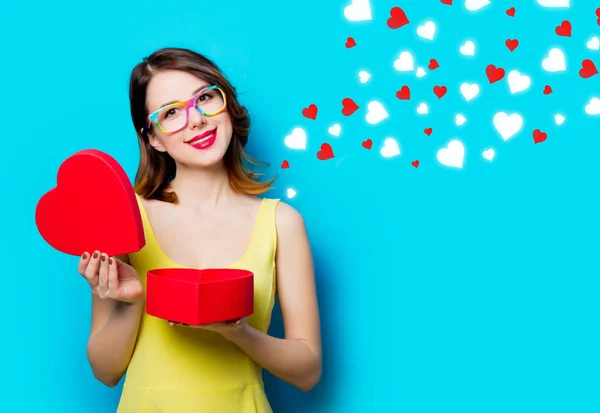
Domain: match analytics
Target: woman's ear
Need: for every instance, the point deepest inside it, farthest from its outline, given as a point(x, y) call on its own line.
point(154, 141)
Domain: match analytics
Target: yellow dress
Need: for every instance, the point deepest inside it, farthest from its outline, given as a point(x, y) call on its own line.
point(189, 370)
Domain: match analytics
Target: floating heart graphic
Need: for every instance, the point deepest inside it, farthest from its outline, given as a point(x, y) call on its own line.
point(440, 91)
point(390, 148)
point(403, 93)
point(489, 154)
point(468, 49)
point(367, 144)
point(350, 42)
point(494, 74)
point(511, 12)
point(433, 64)
point(447, 2)
point(512, 44)
point(93, 207)
point(588, 69)
point(555, 62)
point(397, 18)
point(415, 163)
point(453, 155)
point(310, 112)
point(349, 107)
point(297, 140)
point(326, 152)
point(428, 131)
point(285, 164)
point(335, 129)
point(564, 29)
point(376, 113)
point(547, 90)
point(539, 136)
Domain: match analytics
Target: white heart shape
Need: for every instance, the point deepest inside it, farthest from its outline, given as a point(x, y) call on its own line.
point(297, 140)
point(468, 49)
point(422, 109)
point(518, 82)
point(376, 112)
point(555, 62)
point(453, 155)
point(593, 43)
point(421, 72)
point(335, 130)
point(460, 119)
point(474, 5)
point(489, 154)
point(427, 31)
point(469, 91)
point(290, 193)
point(390, 148)
point(593, 108)
point(554, 3)
point(559, 119)
point(358, 10)
point(507, 125)
point(363, 76)
point(404, 63)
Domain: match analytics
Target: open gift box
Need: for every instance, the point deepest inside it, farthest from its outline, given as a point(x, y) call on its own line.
point(195, 297)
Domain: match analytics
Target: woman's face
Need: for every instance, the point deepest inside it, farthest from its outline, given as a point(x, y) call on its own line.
point(203, 141)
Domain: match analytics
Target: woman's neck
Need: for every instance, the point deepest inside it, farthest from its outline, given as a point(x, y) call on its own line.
point(203, 188)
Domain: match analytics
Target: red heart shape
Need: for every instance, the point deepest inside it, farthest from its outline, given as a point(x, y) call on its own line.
point(367, 144)
point(398, 18)
point(285, 164)
point(493, 73)
point(564, 29)
point(415, 163)
point(511, 12)
point(433, 64)
point(539, 136)
point(448, 2)
point(403, 93)
point(93, 207)
point(349, 107)
point(547, 90)
point(588, 69)
point(350, 42)
point(598, 12)
point(310, 112)
point(428, 131)
point(440, 91)
point(512, 44)
point(326, 152)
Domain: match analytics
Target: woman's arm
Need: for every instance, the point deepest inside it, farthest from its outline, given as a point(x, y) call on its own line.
point(113, 336)
point(295, 359)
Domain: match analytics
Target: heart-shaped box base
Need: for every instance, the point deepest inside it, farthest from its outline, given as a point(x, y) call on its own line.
point(196, 297)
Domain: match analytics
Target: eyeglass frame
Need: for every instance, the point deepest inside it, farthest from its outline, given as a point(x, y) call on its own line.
point(187, 104)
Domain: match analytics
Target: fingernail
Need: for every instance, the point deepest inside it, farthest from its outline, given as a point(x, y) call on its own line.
point(103, 257)
point(84, 256)
point(110, 261)
point(96, 254)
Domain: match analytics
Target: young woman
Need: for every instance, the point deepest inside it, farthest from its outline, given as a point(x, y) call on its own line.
point(200, 209)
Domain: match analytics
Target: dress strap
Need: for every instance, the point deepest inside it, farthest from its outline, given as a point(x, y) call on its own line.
point(264, 243)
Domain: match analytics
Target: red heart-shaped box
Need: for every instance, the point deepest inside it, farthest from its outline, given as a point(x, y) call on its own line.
point(196, 297)
point(93, 207)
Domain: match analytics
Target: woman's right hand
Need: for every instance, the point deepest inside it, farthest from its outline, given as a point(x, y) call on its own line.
point(110, 277)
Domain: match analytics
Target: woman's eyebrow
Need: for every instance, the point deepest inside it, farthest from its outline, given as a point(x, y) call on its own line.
point(193, 93)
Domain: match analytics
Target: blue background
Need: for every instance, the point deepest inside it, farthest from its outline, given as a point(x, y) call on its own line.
point(440, 289)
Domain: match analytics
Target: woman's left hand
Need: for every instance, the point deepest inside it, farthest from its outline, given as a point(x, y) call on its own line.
point(223, 328)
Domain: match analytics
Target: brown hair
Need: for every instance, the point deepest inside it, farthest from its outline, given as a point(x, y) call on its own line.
point(156, 169)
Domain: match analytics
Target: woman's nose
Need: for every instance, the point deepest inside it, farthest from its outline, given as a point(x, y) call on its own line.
point(195, 117)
